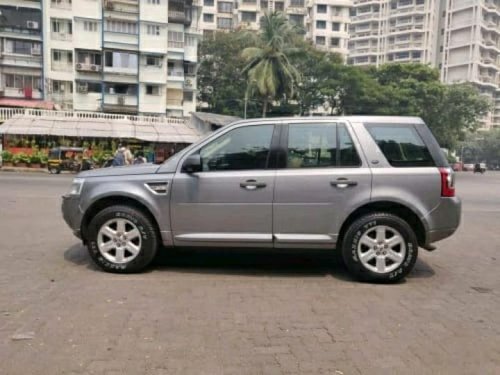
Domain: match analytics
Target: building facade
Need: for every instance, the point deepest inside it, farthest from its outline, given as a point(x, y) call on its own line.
point(471, 49)
point(385, 31)
point(123, 56)
point(325, 22)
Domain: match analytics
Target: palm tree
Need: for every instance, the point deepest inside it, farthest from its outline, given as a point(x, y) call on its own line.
point(268, 66)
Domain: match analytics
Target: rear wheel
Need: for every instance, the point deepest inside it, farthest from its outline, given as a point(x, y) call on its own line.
point(122, 239)
point(380, 247)
point(54, 170)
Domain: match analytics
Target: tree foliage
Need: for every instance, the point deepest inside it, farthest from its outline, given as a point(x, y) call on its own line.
point(275, 57)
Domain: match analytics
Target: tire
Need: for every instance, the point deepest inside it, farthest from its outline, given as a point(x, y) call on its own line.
point(368, 260)
point(104, 230)
point(54, 170)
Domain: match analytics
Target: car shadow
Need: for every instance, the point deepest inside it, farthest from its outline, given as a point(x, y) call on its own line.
point(246, 262)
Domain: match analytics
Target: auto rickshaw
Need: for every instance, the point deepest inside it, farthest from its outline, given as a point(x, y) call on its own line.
point(479, 168)
point(70, 159)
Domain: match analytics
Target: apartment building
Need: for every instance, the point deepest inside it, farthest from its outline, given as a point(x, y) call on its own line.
point(21, 61)
point(123, 56)
point(325, 22)
point(385, 31)
point(471, 49)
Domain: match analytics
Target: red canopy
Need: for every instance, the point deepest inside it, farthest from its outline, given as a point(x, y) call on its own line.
point(26, 103)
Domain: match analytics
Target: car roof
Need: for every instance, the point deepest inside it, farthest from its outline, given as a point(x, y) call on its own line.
point(352, 119)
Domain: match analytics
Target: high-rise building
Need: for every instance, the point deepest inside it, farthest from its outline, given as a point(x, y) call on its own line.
point(124, 56)
point(384, 31)
point(21, 61)
point(471, 49)
point(325, 22)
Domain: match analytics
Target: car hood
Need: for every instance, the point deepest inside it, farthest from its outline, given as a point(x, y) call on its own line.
point(121, 171)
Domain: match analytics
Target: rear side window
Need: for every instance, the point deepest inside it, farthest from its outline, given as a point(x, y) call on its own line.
point(320, 146)
point(401, 145)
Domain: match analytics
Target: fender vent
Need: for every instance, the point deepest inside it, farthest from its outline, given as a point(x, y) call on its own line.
point(157, 187)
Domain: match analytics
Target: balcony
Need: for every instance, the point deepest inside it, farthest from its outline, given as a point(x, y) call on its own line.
point(66, 37)
point(88, 68)
point(25, 61)
point(120, 103)
point(122, 6)
point(61, 66)
point(172, 103)
point(61, 4)
point(176, 75)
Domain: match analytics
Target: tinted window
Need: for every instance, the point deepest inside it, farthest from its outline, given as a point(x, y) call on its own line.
point(242, 148)
point(348, 154)
point(401, 145)
point(320, 145)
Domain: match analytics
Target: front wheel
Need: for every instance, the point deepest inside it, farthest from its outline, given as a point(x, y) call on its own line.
point(122, 239)
point(380, 247)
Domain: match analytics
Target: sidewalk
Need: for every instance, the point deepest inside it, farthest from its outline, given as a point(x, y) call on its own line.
point(24, 170)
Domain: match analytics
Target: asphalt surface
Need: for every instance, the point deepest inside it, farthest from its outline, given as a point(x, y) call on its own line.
point(235, 312)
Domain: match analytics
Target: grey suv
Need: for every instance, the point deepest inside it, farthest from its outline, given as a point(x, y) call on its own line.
point(374, 188)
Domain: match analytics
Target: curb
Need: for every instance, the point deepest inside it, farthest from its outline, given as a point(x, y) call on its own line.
point(23, 170)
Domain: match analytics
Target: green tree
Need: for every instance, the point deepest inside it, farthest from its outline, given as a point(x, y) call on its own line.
point(268, 64)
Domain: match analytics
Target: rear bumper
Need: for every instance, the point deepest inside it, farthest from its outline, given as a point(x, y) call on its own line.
point(444, 220)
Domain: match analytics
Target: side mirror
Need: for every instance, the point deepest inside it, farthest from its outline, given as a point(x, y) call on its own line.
point(192, 164)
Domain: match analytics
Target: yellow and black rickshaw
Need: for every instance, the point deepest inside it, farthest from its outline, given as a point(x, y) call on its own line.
point(71, 159)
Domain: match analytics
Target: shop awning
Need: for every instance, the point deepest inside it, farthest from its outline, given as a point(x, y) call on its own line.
point(26, 103)
point(159, 132)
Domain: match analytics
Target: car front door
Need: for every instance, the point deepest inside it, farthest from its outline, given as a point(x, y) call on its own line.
point(229, 201)
point(321, 180)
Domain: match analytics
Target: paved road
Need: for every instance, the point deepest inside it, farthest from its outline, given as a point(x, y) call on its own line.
point(242, 313)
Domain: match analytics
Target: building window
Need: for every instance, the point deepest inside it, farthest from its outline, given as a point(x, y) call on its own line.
point(224, 23)
point(279, 6)
point(320, 40)
point(188, 96)
point(190, 41)
point(248, 16)
point(120, 27)
point(153, 61)
point(208, 17)
point(297, 3)
point(175, 39)
point(224, 7)
point(208, 3)
point(56, 55)
point(19, 81)
point(60, 87)
point(120, 60)
point(21, 47)
point(263, 4)
point(62, 26)
point(153, 30)
point(155, 2)
point(335, 42)
point(121, 89)
point(152, 90)
point(321, 24)
point(335, 26)
point(416, 55)
point(296, 19)
point(90, 26)
point(321, 8)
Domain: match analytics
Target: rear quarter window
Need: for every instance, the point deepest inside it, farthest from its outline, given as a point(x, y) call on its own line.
point(401, 145)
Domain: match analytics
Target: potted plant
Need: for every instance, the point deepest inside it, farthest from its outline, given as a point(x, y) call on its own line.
point(35, 160)
point(7, 158)
point(21, 160)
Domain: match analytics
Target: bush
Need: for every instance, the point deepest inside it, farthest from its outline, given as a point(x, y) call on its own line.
point(21, 158)
point(35, 158)
point(7, 156)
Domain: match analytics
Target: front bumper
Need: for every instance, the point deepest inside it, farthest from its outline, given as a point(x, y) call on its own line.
point(72, 214)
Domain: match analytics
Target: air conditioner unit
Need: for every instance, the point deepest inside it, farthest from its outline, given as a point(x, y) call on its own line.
point(94, 68)
point(121, 100)
point(82, 88)
point(32, 24)
point(78, 66)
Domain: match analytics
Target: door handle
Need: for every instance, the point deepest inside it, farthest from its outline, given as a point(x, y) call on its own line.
point(252, 185)
point(342, 183)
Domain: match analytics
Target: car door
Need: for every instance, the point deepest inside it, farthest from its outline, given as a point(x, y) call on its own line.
point(321, 180)
point(229, 202)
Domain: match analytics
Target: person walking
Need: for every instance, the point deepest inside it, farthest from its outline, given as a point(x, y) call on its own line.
point(139, 158)
point(123, 156)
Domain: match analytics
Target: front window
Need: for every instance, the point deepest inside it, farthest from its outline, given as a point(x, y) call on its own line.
point(239, 149)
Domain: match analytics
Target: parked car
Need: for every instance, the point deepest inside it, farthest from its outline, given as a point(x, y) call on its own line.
point(469, 167)
point(374, 189)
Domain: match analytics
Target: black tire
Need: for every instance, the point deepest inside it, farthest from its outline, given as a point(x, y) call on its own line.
point(363, 225)
point(54, 170)
point(148, 234)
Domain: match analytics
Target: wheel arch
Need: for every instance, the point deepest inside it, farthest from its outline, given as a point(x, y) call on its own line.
point(403, 211)
point(113, 200)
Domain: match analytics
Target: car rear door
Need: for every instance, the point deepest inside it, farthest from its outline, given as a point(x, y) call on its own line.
point(322, 178)
point(229, 202)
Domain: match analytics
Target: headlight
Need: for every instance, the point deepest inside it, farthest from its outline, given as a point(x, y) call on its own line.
point(76, 186)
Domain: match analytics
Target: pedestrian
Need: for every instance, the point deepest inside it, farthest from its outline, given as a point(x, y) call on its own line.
point(139, 158)
point(123, 156)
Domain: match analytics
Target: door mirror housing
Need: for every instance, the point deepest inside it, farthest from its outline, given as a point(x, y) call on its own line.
point(192, 164)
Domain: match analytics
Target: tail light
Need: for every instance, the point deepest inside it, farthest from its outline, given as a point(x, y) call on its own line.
point(447, 182)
